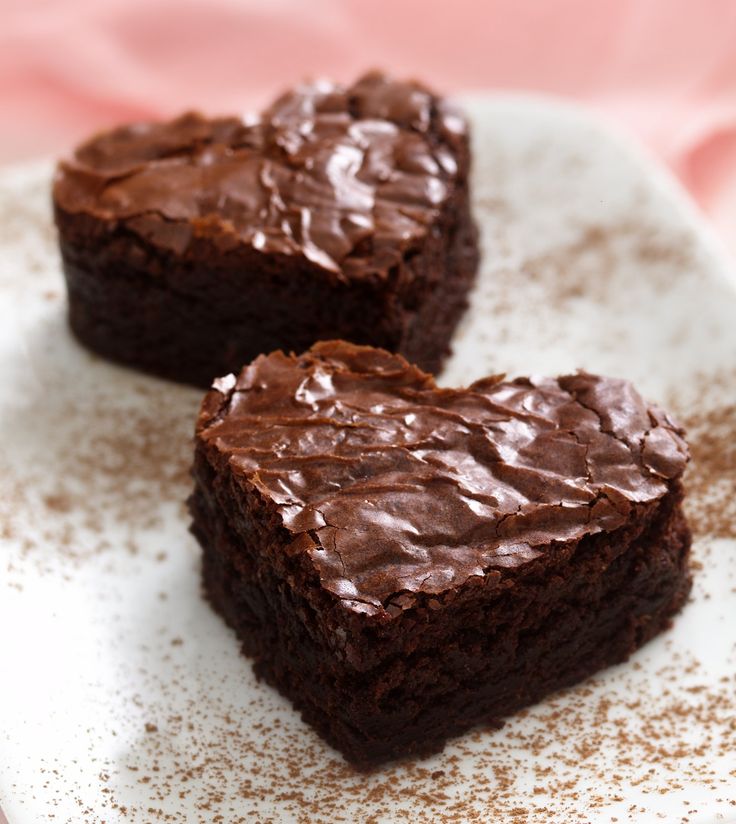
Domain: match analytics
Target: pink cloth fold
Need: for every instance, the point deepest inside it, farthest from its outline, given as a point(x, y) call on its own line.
point(665, 68)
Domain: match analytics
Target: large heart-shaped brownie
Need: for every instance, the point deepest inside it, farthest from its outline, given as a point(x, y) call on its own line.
point(405, 560)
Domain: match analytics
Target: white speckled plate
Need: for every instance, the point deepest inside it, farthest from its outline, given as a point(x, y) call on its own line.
point(123, 697)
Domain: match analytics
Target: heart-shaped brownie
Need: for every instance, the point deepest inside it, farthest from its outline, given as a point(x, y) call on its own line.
point(192, 246)
point(405, 561)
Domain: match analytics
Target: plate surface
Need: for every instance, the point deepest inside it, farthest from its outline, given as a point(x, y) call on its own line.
point(123, 697)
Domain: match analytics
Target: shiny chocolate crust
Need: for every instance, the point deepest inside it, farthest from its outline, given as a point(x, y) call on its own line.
point(394, 487)
point(348, 178)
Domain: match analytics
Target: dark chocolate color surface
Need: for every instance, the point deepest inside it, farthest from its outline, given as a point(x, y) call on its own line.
point(394, 487)
point(350, 178)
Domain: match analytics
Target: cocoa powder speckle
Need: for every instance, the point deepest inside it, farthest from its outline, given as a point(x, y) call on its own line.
point(708, 413)
point(112, 463)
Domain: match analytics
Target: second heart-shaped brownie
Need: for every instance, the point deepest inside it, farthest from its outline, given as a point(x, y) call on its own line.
point(405, 561)
point(192, 246)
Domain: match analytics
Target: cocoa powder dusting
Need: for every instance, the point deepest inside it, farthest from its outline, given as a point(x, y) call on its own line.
point(584, 749)
point(709, 417)
point(88, 469)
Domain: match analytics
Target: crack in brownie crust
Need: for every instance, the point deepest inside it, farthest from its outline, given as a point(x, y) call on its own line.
point(405, 561)
point(192, 246)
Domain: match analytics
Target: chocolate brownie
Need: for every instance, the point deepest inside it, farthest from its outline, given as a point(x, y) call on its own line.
point(190, 247)
point(404, 562)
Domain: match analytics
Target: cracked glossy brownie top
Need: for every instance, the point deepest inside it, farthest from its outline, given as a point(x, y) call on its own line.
point(350, 177)
point(394, 487)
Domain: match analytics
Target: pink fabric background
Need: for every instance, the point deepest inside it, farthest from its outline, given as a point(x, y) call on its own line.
point(665, 68)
